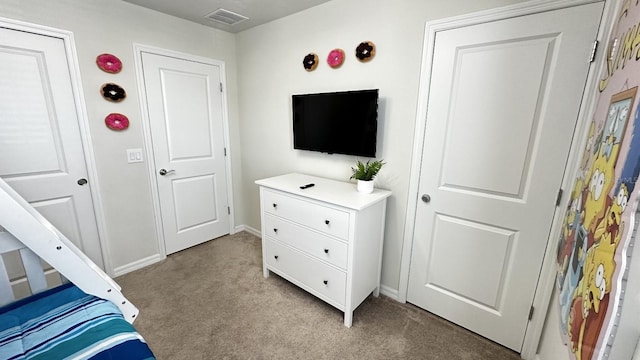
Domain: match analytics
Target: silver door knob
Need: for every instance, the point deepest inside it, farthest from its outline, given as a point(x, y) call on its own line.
point(426, 198)
point(164, 172)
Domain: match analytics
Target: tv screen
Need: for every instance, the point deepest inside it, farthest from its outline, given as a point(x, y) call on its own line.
point(338, 122)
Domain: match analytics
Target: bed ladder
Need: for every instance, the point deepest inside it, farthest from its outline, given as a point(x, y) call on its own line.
point(24, 224)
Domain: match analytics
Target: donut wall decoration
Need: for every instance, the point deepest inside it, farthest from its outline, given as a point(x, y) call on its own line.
point(365, 51)
point(310, 62)
point(113, 92)
point(335, 58)
point(116, 121)
point(109, 63)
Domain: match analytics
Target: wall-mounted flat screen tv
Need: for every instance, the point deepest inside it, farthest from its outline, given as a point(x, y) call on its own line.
point(337, 122)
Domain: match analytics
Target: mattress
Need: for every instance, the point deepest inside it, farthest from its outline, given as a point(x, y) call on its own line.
point(66, 323)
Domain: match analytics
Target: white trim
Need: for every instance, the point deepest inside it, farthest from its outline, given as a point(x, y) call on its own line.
point(248, 229)
point(138, 264)
point(138, 49)
point(543, 295)
point(83, 121)
point(389, 292)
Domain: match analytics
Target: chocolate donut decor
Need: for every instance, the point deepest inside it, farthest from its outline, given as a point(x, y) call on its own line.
point(109, 63)
point(117, 122)
point(113, 92)
point(310, 62)
point(365, 51)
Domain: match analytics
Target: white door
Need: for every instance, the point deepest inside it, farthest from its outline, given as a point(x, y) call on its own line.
point(186, 119)
point(42, 154)
point(503, 102)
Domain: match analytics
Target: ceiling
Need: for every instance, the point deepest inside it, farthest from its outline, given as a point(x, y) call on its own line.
point(257, 11)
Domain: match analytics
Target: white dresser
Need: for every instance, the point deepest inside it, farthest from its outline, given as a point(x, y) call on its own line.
point(326, 239)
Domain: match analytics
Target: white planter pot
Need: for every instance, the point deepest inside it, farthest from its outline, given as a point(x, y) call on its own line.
point(365, 187)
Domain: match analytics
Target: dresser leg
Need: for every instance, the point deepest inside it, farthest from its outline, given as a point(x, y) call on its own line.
point(265, 272)
point(348, 318)
point(376, 292)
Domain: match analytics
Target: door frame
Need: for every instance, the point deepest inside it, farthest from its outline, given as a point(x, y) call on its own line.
point(546, 279)
point(138, 49)
point(83, 121)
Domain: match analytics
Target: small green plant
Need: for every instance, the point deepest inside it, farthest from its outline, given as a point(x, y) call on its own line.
point(368, 171)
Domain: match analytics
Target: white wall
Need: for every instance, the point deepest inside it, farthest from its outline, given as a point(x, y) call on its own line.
point(112, 26)
point(270, 70)
point(260, 79)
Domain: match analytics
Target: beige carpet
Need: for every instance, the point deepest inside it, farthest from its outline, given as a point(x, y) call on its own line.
point(212, 302)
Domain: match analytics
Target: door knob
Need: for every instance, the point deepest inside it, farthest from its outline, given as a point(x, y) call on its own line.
point(82, 181)
point(426, 198)
point(164, 172)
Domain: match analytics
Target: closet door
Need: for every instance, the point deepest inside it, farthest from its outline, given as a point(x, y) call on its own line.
point(185, 107)
point(503, 103)
point(40, 141)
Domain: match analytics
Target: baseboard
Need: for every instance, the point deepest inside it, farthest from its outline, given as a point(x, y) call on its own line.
point(248, 229)
point(389, 292)
point(138, 264)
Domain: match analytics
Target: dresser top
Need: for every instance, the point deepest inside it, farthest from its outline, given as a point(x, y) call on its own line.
point(331, 191)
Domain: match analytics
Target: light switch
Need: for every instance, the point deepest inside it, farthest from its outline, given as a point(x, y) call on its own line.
point(134, 156)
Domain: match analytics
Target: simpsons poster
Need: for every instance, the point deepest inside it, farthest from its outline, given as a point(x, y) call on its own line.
point(598, 223)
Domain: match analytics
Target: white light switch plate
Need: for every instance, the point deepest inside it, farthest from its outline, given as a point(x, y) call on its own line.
point(134, 156)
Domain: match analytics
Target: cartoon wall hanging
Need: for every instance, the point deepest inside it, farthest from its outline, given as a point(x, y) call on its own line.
point(597, 228)
point(109, 63)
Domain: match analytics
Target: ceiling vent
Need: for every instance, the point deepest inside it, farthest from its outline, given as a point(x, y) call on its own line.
point(226, 17)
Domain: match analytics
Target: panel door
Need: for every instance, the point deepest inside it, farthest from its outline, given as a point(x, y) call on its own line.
point(40, 142)
point(186, 121)
point(503, 102)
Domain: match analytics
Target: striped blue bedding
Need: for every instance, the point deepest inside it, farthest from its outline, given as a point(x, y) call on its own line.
point(66, 323)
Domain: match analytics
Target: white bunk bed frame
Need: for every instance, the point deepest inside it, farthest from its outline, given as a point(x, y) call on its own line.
point(22, 228)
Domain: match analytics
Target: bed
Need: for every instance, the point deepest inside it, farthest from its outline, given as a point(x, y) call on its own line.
point(83, 316)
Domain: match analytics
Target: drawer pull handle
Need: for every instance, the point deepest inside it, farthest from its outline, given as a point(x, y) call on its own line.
point(275, 230)
point(276, 257)
point(326, 251)
point(275, 205)
point(325, 282)
point(327, 222)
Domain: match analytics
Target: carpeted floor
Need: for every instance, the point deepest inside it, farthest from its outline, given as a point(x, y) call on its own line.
point(212, 302)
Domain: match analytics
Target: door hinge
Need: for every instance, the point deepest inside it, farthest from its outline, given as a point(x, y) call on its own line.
point(220, 87)
point(559, 198)
point(531, 312)
point(229, 210)
point(594, 49)
point(225, 151)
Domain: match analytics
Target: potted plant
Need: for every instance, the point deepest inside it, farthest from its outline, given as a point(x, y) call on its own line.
point(365, 173)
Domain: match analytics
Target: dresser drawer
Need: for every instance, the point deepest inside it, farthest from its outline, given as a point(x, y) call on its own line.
point(322, 278)
point(328, 220)
point(315, 244)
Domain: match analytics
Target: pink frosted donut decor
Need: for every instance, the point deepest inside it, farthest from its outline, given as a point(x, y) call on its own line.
point(109, 63)
point(116, 121)
point(335, 58)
